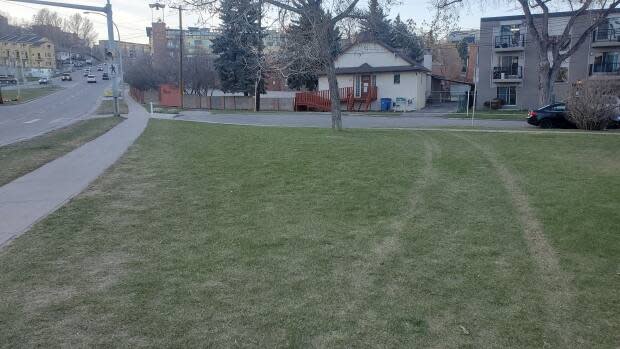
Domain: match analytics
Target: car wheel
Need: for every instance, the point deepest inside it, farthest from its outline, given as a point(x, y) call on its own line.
point(546, 123)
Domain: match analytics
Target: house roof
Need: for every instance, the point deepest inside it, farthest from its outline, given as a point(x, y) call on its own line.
point(367, 68)
point(23, 39)
point(368, 39)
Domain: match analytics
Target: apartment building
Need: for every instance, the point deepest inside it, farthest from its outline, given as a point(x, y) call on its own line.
point(29, 53)
point(129, 50)
point(508, 58)
point(196, 40)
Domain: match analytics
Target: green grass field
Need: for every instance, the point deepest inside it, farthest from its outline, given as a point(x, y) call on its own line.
point(27, 94)
point(17, 159)
point(225, 236)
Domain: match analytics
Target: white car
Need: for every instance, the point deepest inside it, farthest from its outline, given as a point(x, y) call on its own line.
point(91, 79)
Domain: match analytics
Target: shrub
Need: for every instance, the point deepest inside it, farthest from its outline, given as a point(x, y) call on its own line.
point(592, 103)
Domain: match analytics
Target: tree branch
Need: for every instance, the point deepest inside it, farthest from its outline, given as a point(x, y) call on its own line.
point(284, 6)
point(344, 14)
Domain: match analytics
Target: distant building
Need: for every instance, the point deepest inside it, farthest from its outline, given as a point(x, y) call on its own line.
point(4, 24)
point(32, 54)
point(196, 40)
point(164, 43)
point(471, 36)
point(129, 50)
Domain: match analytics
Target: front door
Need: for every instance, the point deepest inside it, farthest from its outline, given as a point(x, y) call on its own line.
point(366, 83)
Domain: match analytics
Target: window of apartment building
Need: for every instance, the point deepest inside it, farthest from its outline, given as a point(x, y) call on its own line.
point(396, 79)
point(508, 94)
point(562, 75)
point(509, 35)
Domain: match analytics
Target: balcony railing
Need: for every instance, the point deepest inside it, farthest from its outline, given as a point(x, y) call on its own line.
point(510, 41)
point(605, 69)
point(606, 35)
point(507, 73)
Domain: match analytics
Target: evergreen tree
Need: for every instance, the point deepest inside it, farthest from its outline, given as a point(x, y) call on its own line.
point(376, 24)
point(239, 46)
point(303, 61)
point(404, 39)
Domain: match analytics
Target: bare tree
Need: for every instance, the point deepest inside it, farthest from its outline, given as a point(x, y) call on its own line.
point(324, 18)
point(555, 49)
point(81, 26)
point(45, 17)
point(199, 74)
point(592, 103)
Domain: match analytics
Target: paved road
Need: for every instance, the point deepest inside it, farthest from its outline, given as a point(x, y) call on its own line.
point(422, 119)
point(61, 108)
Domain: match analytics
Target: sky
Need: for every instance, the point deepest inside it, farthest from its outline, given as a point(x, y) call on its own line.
point(133, 16)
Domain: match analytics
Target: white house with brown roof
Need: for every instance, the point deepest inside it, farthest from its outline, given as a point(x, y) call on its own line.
point(373, 70)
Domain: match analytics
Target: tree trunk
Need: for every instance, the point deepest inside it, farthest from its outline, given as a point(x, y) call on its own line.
point(333, 94)
point(544, 85)
point(256, 96)
point(547, 75)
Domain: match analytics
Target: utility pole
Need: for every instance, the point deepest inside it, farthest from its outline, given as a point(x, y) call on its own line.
point(259, 58)
point(107, 9)
point(180, 8)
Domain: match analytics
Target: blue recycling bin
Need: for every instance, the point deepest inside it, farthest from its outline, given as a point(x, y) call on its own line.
point(386, 104)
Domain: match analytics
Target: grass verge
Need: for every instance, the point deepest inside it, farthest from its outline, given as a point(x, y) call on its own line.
point(28, 94)
point(23, 157)
point(107, 107)
point(208, 235)
point(500, 114)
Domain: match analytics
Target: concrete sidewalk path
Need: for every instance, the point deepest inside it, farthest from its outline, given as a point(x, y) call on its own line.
point(32, 197)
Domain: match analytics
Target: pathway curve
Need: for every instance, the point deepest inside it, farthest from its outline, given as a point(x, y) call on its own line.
point(32, 197)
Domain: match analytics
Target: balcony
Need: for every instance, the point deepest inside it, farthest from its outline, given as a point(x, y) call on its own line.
point(509, 42)
point(605, 38)
point(610, 70)
point(508, 74)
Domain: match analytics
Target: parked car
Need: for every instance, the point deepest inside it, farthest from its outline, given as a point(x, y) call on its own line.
point(553, 115)
point(43, 81)
point(99, 68)
point(556, 115)
point(91, 79)
point(66, 77)
point(8, 80)
point(105, 76)
point(86, 73)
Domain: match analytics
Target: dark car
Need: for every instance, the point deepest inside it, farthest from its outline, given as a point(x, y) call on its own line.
point(105, 76)
point(553, 115)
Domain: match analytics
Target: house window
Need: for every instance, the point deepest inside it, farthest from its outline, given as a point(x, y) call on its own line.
point(358, 86)
point(562, 75)
point(396, 79)
point(508, 94)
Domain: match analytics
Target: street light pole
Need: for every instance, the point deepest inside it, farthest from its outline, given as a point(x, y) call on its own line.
point(107, 9)
point(180, 8)
point(118, 45)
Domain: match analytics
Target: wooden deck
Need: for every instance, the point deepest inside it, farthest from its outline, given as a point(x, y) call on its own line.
point(321, 101)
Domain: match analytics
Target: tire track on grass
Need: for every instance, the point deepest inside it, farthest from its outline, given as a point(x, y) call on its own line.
point(362, 275)
point(556, 285)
